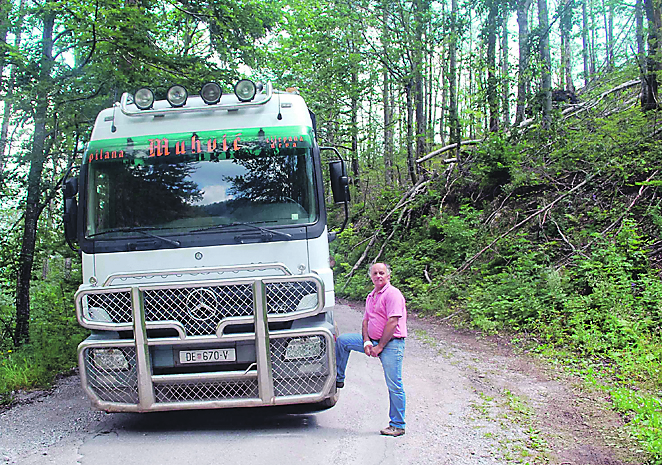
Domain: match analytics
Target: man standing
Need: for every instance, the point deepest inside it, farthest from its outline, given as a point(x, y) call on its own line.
point(383, 335)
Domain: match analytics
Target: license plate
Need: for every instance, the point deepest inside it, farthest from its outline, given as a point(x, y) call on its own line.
point(207, 356)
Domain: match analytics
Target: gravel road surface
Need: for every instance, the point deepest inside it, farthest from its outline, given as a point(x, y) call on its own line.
point(469, 401)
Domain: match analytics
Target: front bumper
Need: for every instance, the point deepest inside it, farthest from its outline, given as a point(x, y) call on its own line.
point(265, 376)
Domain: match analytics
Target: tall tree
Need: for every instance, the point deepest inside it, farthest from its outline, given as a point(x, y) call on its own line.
point(546, 64)
point(10, 82)
point(505, 78)
point(607, 11)
point(36, 160)
point(523, 73)
point(492, 91)
point(386, 96)
point(586, 44)
point(453, 116)
point(565, 25)
point(653, 11)
point(421, 19)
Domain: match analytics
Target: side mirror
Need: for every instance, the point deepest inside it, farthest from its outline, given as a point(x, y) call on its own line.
point(339, 181)
point(339, 187)
point(70, 216)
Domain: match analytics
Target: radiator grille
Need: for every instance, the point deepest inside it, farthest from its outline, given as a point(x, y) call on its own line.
point(113, 385)
point(287, 297)
point(245, 389)
point(111, 307)
point(199, 309)
point(299, 376)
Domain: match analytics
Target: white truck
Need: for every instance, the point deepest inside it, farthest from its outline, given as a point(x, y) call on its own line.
point(203, 234)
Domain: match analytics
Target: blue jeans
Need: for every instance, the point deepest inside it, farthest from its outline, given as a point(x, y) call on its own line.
point(391, 358)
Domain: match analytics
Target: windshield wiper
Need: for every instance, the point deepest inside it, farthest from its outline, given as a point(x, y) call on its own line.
point(142, 230)
point(264, 232)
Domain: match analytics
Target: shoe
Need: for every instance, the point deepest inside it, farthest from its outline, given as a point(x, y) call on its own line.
point(340, 384)
point(392, 431)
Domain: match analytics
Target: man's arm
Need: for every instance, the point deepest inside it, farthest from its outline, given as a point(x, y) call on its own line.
point(387, 335)
point(366, 338)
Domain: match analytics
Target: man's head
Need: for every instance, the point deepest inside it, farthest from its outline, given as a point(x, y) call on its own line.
point(380, 274)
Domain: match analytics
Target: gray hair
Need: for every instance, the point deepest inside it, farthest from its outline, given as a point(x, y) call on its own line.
point(388, 268)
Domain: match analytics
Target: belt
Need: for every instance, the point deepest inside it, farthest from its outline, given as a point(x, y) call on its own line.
point(373, 339)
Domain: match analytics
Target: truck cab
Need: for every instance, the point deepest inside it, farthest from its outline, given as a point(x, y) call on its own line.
point(203, 234)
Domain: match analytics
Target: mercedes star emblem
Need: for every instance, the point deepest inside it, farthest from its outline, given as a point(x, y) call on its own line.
point(201, 304)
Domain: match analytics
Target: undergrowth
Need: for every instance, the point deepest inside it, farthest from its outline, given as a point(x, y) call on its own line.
point(54, 336)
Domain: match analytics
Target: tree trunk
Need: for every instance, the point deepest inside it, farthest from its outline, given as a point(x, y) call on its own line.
point(546, 62)
point(585, 43)
point(5, 10)
point(9, 96)
point(566, 31)
point(594, 58)
point(388, 108)
point(641, 49)
point(33, 207)
point(523, 74)
point(411, 168)
point(652, 9)
point(418, 72)
point(492, 95)
point(608, 43)
point(355, 131)
point(505, 87)
point(454, 120)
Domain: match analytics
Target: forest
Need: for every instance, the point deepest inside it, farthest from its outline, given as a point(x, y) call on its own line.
point(504, 155)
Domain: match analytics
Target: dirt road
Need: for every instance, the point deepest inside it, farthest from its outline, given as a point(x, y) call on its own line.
point(469, 401)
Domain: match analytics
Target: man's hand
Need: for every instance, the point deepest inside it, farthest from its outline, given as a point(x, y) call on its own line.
point(376, 350)
point(368, 350)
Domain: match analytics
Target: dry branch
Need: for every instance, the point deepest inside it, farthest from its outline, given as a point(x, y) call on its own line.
point(446, 149)
point(405, 199)
point(525, 220)
point(642, 189)
point(573, 109)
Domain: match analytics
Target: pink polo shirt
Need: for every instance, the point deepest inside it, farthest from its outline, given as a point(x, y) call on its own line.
point(380, 306)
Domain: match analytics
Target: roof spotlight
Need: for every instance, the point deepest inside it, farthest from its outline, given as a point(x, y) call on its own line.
point(143, 98)
point(211, 93)
point(177, 96)
point(245, 90)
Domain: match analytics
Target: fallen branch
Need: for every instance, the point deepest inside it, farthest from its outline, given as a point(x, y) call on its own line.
point(360, 260)
point(446, 149)
point(395, 227)
point(405, 199)
point(641, 191)
point(525, 220)
point(568, 112)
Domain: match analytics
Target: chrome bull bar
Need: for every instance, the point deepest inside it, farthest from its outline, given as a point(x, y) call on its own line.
point(270, 380)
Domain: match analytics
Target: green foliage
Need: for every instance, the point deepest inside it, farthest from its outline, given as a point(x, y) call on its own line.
point(646, 418)
point(54, 334)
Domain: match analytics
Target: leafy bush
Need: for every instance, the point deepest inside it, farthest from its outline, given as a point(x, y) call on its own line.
point(54, 335)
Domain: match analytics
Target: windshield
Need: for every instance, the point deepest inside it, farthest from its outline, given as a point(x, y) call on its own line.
point(175, 188)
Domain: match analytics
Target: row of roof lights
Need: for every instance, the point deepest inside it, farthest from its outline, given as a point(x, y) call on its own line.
point(211, 93)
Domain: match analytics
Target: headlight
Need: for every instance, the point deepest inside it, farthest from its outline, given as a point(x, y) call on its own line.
point(144, 98)
point(109, 359)
point(177, 96)
point(303, 347)
point(211, 93)
point(245, 90)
